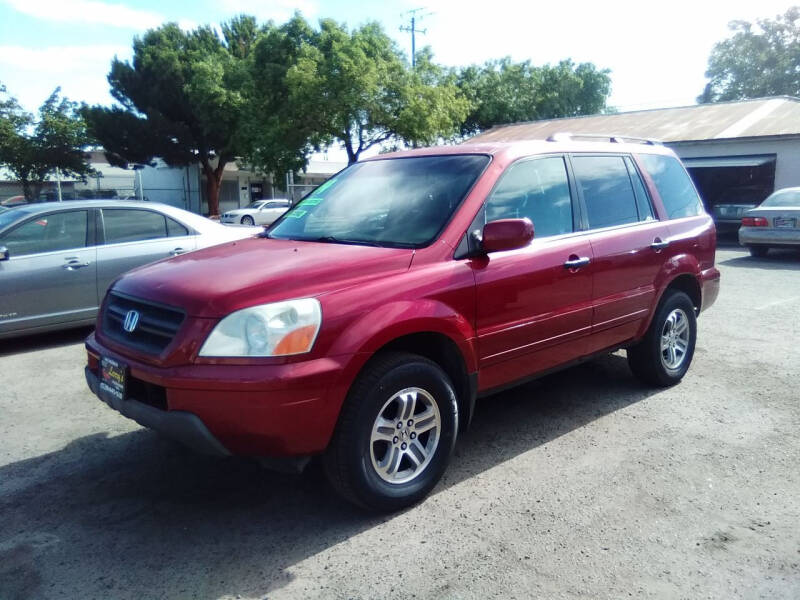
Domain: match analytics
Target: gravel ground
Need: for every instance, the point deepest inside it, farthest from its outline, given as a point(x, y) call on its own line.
point(584, 484)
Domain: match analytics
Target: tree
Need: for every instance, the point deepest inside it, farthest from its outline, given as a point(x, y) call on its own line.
point(181, 99)
point(502, 91)
point(757, 60)
point(33, 149)
point(357, 90)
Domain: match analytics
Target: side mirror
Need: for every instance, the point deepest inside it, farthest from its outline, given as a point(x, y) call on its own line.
point(507, 234)
point(3, 253)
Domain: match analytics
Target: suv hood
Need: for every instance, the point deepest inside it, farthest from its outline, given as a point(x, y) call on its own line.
point(219, 280)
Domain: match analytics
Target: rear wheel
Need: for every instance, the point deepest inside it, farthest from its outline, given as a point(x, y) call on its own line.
point(664, 355)
point(758, 251)
point(395, 435)
point(248, 220)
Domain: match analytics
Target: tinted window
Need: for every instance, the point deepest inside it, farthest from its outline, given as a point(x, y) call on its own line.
point(48, 233)
point(276, 205)
point(536, 189)
point(607, 190)
point(642, 197)
point(673, 185)
point(401, 202)
point(123, 225)
point(175, 229)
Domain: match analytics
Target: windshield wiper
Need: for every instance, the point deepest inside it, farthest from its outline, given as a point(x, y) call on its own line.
point(332, 239)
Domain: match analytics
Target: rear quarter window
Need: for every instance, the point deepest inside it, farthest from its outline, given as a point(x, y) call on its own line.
point(674, 185)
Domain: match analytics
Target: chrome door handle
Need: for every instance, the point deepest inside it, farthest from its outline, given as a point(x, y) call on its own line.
point(177, 251)
point(659, 244)
point(577, 263)
point(74, 264)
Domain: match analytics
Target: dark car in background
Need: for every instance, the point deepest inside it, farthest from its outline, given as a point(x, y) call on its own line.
point(57, 259)
point(729, 208)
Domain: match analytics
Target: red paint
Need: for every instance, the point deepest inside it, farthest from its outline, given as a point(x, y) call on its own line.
point(511, 313)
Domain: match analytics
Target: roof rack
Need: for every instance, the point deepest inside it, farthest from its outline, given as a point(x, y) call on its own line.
point(614, 139)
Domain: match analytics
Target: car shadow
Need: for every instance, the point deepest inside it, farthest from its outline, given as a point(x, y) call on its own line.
point(778, 259)
point(44, 341)
point(135, 515)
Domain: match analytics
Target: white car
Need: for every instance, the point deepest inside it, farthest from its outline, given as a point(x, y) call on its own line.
point(260, 212)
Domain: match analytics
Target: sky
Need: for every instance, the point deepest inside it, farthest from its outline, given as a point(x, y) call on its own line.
point(657, 51)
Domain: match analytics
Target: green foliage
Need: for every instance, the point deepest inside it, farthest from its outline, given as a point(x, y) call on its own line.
point(757, 60)
point(356, 89)
point(502, 91)
point(33, 149)
point(183, 99)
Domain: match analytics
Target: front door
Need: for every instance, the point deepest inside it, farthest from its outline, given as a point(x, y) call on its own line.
point(534, 304)
point(50, 276)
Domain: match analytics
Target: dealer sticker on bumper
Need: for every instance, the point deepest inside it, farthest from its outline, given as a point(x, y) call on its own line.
point(112, 379)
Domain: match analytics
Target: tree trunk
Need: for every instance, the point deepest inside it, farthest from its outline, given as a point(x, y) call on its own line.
point(212, 194)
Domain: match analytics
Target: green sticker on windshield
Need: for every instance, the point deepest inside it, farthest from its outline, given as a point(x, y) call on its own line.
point(296, 214)
point(324, 186)
point(311, 201)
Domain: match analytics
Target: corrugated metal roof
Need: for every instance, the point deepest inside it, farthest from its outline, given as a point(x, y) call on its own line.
point(727, 120)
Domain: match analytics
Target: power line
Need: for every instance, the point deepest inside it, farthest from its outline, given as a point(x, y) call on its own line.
point(416, 15)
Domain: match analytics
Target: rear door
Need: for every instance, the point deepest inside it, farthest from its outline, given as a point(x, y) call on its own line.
point(533, 307)
point(133, 237)
point(50, 276)
point(628, 243)
point(272, 210)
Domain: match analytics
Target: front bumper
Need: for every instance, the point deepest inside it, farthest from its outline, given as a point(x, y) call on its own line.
point(179, 425)
point(263, 410)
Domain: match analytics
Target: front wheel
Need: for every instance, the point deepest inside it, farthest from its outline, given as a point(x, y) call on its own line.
point(395, 435)
point(248, 220)
point(664, 355)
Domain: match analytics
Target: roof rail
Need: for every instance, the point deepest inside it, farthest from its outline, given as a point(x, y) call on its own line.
point(614, 139)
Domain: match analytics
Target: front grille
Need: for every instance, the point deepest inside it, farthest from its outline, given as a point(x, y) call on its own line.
point(147, 393)
point(156, 327)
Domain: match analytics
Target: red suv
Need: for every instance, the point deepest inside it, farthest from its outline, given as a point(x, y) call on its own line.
point(362, 325)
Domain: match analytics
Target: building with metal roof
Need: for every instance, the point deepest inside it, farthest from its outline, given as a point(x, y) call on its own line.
point(737, 152)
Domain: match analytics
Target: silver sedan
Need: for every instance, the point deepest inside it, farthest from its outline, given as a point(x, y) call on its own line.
point(57, 259)
point(773, 223)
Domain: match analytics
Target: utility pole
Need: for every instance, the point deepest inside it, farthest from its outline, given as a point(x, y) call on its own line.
point(412, 29)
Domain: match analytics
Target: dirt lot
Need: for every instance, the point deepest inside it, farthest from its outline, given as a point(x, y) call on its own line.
point(584, 484)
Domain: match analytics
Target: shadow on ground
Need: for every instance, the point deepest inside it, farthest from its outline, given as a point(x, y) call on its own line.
point(44, 341)
point(778, 259)
point(138, 516)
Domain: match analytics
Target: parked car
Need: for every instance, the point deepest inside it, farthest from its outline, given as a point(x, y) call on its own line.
point(734, 202)
point(260, 212)
point(14, 201)
point(774, 223)
point(58, 259)
point(362, 326)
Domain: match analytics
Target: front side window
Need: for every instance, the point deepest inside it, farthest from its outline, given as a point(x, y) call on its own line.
point(396, 202)
point(536, 189)
point(607, 191)
point(132, 225)
point(48, 233)
point(673, 185)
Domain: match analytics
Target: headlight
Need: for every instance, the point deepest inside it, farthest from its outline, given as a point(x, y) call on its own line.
point(277, 329)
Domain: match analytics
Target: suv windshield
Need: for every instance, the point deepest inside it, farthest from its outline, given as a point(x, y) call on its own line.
point(398, 202)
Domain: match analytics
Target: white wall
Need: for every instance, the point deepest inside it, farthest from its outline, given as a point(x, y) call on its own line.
point(787, 166)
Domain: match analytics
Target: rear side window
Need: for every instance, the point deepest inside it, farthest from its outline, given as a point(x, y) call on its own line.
point(537, 189)
point(175, 229)
point(48, 233)
point(123, 225)
point(673, 185)
point(642, 198)
point(607, 191)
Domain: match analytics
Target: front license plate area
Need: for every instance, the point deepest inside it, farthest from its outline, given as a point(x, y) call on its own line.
point(784, 223)
point(113, 376)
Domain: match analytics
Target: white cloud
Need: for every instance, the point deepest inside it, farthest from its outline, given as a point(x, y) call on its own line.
point(31, 74)
point(277, 10)
point(88, 11)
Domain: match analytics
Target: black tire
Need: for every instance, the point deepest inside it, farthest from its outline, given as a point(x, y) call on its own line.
point(349, 462)
point(248, 220)
point(758, 251)
point(647, 360)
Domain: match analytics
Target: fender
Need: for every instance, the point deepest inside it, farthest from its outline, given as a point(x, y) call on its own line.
point(376, 328)
point(677, 265)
